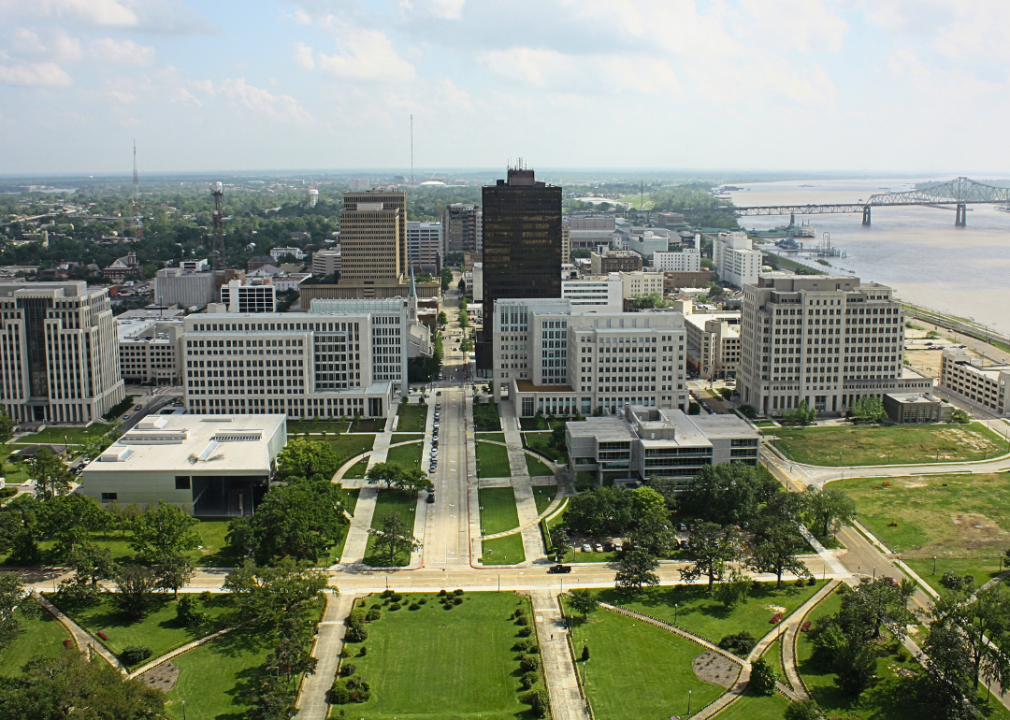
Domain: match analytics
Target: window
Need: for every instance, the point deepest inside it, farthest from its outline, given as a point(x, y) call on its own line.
point(109, 497)
point(182, 482)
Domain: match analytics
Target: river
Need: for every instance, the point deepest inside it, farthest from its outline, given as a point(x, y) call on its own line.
point(916, 250)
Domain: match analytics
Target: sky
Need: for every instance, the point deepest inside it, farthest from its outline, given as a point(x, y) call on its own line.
point(834, 85)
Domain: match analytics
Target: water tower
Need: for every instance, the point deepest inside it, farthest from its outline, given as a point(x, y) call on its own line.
point(313, 197)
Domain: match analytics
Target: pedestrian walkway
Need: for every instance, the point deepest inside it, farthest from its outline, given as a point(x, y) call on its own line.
point(150, 665)
point(312, 700)
point(567, 702)
point(792, 625)
point(357, 532)
point(81, 636)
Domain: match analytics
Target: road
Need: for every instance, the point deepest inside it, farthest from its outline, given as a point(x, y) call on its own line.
point(447, 530)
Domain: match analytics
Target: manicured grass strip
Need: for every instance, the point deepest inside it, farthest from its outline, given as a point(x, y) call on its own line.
point(160, 631)
point(756, 707)
point(389, 501)
point(406, 456)
point(214, 679)
point(405, 437)
point(773, 655)
point(412, 417)
point(62, 435)
point(15, 473)
point(698, 612)
point(626, 654)
point(297, 427)
point(956, 517)
point(368, 425)
point(506, 550)
point(347, 446)
point(434, 663)
point(358, 469)
point(498, 511)
point(541, 442)
point(541, 423)
point(494, 436)
point(544, 495)
point(42, 637)
point(536, 468)
point(492, 460)
point(882, 445)
point(485, 417)
point(982, 570)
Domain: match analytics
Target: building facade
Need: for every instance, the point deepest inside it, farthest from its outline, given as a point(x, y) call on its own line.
point(713, 344)
point(186, 288)
point(278, 252)
point(522, 247)
point(968, 379)
point(325, 262)
point(249, 296)
point(59, 352)
point(828, 340)
point(596, 293)
point(150, 350)
point(668, 443)
point(735, 258)
point(424, 245)
point(638, 283)
point(686, 260)
point(462, 229)
point(605, 260)
point(549, 358)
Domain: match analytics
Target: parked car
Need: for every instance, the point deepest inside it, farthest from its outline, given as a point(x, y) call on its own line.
point(431, 498)
point(684, 545)
point(559, 569)
point(598, 548)
point(587, 548)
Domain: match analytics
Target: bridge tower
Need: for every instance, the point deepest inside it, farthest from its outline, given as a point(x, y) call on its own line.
point(866, 216)
point(961, 215)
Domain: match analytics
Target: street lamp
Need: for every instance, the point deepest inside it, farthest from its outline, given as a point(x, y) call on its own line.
point(689, 703)
point(934, 564)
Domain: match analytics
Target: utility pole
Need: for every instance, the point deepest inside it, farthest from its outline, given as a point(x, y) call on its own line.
point(217, 252)
point(412, 149)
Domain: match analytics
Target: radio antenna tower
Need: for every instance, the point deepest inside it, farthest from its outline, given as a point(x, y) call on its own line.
point(217, 250)
point(138, 230)
point(411, 149)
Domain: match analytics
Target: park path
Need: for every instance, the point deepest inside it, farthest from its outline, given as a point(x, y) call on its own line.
point(357, 531)
point(312, 699)
point(151, 664)
point(567, 702)
point(81, 636)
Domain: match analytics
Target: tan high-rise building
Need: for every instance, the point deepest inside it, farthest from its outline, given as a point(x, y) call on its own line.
point(373, 237)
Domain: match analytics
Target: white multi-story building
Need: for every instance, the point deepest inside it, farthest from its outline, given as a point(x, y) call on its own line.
point(424, 244)
point(713, 343)
point(825, 339)
point(638, 283)
point(735, 259)
point(603, 292)
point(278, 252)
point(550, 359)
point(249, 296)
point(59, 354)
point(150, 349)
point(646, 242)
point(325, 262)
point(190, 285)
point(686, 260)
point(984, 387)
point(478, 282)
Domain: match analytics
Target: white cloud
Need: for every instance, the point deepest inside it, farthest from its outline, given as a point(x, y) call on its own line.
point(58, 47)
point(444, 9)
point(802, 25)
point(262, 102)
point(36, 74)
point(366, 55)
point(91, 12)
point(303, 56)
point(120, 52)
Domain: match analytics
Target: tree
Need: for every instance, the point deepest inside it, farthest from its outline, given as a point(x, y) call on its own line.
point(461, 285)
point(828, 509)
point(653, 531)
point(762, 677)
point(776, 554)
point(979, 619)
point(601, 511)
point(51, 476)
point(300, 520)
point(163, 529)
point(394, 535)
point(803, 710)
point(868, 409)
point(733, 589)
point(446, 279)
point(92, 563)
point(304, 458)
point(6, 426)
point(134, 586)
point(172, 571)
point(69, 520)
point(647, 300)
point(713, 546)
point(443, 319)
point(265, 595)
point(948, 683)
point(12, 594)
point(635, 570)
point(728, 494)
point(560, 544)
point(802, 415)
point(414, 481)
point(387, 472)
point(67, 685)
point(583, 602)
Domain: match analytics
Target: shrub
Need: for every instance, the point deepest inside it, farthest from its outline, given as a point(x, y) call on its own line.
point(134, 654)
point(442, 593)
point(414, 606)
point(394, 607)
point(538, 701)
point(422, 601)
point(345, 652)
point(525, 632)
point(356, 634)
point(762, 677)
point(188, 613)
point(811, 580)
point(396, 597)
point(522, 621)
point(903, 655)
point(373, 615)
point(457, 592)
point(518, 613)
point(67, 643)
point(339, 695)
point(800, 582)
point(740, 644)
point(585, 653)
point(376, 606)
point(529, 662)
point(776, 618)
point(523, 645)
point(805, 627)
point(387, 593)
point(363, 651)
point(206, 597)
point(953, 581)
point(457, 601)
point(803, 710)
point(348, 669)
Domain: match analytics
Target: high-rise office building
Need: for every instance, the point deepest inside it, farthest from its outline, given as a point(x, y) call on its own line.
point(522, 247)
point(424, 245)
point(59, 355)
point(462, 228)
point(373, 237)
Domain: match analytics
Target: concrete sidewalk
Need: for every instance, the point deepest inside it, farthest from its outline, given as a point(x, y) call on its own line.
point(567, 702)
point(312, 700)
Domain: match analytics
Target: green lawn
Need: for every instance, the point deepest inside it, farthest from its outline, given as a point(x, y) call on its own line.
point(432, 663)
point(389, 501)
point(412, 417)
point(955, 517)
point(636, 670)
point(297, 427)
point(368, 425)
point(542, 423)
point(406, 437)
point(544, 495)
point(773, 655)
point(896, 444)
point(160, 631)
point(485, 417)
point(492, 460)
point(37, 638)
point(493, 436)
point(347, 446)
point(60, 435)
point(498, 511)
point(541, 443)
point(406, 456)
point(358, 469)
point(14, 473)
point(506, 550)
point(536, 468)
point(215, 678)
point(697, 612)
point(756, 707)
point(981, 569)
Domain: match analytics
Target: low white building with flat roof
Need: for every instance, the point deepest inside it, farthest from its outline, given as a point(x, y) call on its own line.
point(214, 466)
point(971, 380)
